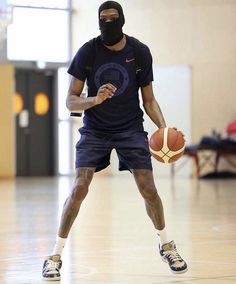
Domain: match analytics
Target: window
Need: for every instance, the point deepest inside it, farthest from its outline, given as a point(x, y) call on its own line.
point(62, 4)
point(39, 34)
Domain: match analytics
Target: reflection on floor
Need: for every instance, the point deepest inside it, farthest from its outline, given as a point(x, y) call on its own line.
point(113, 241)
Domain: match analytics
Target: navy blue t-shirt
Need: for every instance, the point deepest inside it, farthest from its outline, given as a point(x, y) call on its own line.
point(122, 112)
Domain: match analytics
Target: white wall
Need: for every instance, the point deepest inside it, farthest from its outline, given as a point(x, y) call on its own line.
point(172, 89)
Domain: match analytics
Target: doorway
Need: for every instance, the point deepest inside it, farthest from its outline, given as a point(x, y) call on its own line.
point(35, 122)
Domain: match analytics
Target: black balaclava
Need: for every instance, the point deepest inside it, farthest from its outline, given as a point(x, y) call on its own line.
point(111, 32)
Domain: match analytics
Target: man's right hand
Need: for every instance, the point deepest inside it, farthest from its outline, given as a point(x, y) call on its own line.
point(105, 92)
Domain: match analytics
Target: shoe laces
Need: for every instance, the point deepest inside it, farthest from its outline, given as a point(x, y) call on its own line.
point(173, 255)
point(53, 265)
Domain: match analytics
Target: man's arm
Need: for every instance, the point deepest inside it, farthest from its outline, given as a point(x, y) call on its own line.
point(152, 107)
point(75, 102)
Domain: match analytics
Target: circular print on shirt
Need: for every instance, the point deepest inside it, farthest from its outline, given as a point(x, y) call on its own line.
point(112, 73)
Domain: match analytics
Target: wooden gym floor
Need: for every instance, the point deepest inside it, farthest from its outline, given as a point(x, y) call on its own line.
point(113, 241)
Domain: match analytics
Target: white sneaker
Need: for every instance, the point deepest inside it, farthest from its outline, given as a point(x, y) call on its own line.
point(51, 268)
point(170, 255)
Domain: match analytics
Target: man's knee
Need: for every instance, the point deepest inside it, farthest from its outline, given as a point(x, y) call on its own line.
point(79, 192)
point(149, 193)
point(145, 183)
point(81, 185)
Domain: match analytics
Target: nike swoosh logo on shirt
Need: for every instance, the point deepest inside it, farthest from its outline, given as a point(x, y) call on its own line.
point(129, 60)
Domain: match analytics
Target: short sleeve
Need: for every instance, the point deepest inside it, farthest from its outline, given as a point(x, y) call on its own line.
point(77, 67)
point(146, 74)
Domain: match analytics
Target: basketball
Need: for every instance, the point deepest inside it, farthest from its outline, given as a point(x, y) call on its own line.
point(167, 145)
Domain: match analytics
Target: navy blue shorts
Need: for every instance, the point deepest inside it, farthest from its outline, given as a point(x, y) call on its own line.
point(94, 150)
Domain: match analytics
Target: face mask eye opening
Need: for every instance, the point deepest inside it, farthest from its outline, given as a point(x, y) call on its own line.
point(103, 20)
point(108, 19)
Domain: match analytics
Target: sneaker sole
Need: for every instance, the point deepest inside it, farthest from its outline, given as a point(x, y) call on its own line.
point(173, 271)
point(51, 279)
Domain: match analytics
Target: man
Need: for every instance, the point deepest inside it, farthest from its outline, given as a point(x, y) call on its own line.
point(113, 120)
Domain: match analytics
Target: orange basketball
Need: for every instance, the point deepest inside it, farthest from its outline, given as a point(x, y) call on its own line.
point(167, 145)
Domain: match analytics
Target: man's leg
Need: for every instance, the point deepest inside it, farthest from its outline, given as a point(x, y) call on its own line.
point(83, 178)
point(73, 202)
point(145, 182)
